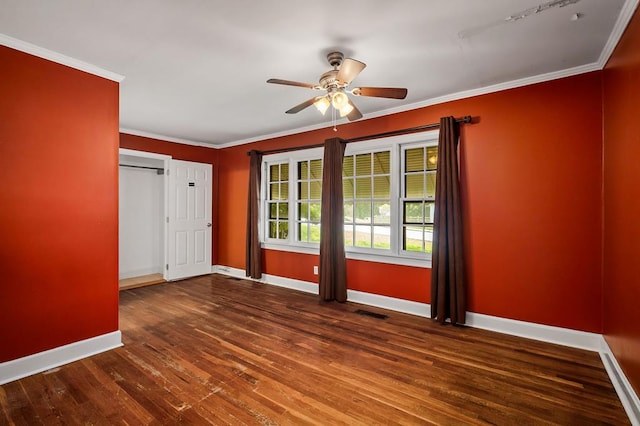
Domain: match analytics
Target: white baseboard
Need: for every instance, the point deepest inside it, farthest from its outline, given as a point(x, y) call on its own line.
point(531, 330)
point(625, 391)
point(546, 333)
point(42, 361)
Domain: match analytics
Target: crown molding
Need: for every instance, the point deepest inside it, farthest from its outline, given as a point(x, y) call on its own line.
point(628, 9)
point(164, 138)
point(59, 58)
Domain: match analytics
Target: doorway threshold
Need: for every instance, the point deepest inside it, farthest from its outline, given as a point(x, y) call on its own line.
point(141, 281)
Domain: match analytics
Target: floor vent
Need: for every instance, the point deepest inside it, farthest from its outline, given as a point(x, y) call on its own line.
point(234, 278)
point(371, 314)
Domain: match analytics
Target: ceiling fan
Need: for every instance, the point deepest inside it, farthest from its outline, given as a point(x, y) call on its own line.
point(335, 84)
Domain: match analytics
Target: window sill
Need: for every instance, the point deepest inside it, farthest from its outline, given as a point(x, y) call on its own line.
point(368, 257)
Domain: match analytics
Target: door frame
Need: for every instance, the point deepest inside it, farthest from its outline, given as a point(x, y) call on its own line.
point(165, 181)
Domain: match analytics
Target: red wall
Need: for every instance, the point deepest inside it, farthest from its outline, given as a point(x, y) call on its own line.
point(531, 185)
point(59, 215)
point(184, 152)
point(622, 202)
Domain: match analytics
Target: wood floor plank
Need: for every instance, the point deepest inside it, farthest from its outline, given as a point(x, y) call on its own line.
point(218, 350)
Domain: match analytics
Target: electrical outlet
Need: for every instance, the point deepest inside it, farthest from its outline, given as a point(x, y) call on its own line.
point(315, 270)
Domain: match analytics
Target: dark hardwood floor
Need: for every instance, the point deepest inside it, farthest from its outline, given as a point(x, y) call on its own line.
point(219, 350)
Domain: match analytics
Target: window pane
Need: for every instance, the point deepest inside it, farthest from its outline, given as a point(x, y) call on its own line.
point(431, 185)
point(347, 187)
point(284, 190)
point(432, 158)
point(414, 160)
point(315, 169)
point(303, 211)
point(274, 191)
point(363, 187)
point(413, 212)
point(314, 233)
point(273, 210)
point(273, 229)
point(348, 212)
point(382, 237)
point(303, 231)
point(428, 239)
point(348, 235)
point(303, 170)
point(413, 237)
point(381, 162)
point(303, 190)
point(347, 166)
point(381, 213)
point(284, 172)
point(283, 210)
point(429, 211)
point(381, 187)
point(314, 212)
point(363, 164)
point(414, 186)
point(316, 190)
point(363, 236)
point(363, 212)
point(274, 172)
point(283, 230)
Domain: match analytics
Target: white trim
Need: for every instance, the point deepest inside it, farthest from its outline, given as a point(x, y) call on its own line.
point(390, 303)
point(628, 9)
point(42, 361)
point(58, 58)
point(164, 138)
point(530, 330)
point(627, 395)
point(135, 153)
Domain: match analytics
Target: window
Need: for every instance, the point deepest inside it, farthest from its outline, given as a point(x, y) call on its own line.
point(309, 185)
point(367, 200)
point(389, 199)
point(278, 201)
point(418, 197)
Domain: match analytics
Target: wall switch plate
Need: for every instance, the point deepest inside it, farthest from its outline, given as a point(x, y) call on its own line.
point(315, 270)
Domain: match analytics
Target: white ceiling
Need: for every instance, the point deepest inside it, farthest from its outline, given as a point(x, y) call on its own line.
point(196, 70)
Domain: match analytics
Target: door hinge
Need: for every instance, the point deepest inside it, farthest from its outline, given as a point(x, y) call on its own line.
point(167, 171)
point(167, 219)
point(167, 266)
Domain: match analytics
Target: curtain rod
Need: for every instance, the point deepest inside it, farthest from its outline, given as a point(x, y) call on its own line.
point(462, 120)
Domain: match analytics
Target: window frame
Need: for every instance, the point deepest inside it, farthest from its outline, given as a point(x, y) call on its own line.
point(396, 145)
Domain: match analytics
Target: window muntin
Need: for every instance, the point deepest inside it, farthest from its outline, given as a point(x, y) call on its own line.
point(366, 180)
point(418, 197)
point(278, 201)
point(309, 192)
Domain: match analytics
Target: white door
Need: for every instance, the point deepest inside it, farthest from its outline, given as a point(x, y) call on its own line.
point(189, 221)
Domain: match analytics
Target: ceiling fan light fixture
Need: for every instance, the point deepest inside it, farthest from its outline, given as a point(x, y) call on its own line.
point(322, 105)
point(339, 100)
point(346, 109)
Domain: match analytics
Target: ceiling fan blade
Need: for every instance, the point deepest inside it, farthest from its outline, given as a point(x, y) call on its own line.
point(381, 92)
point(355, 114)
point(349, 70)
point(291, 83)
point(301, 106)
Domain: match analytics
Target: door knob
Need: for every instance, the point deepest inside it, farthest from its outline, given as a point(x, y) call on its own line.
point(208, 225)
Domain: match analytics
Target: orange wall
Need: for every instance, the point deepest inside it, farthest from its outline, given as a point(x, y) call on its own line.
point(184, 152)
point(59, 215)
point(531, 185)
point(622, 202)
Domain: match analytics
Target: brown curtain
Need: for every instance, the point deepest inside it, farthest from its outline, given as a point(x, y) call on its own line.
point(448, 287)
point(253, 262)
point(333, 265)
